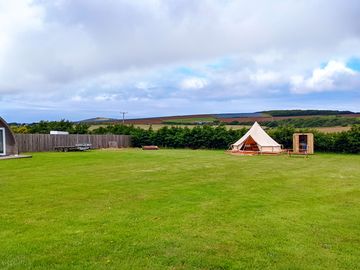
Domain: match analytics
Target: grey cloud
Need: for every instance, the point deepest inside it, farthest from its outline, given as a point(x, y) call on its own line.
point(93, 48)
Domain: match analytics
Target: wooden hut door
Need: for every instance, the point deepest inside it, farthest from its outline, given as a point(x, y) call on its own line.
point(2, 142)
point(303, 143)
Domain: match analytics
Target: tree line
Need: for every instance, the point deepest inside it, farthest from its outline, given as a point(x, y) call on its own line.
point(219, 137)
point(44, 127)
point(305, 112)
point(204, 136)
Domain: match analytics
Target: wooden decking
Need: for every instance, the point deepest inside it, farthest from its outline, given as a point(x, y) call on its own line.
point(297, 154)
point(251, 153)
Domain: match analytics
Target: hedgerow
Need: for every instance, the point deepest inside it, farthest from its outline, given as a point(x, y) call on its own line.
point(204, 136)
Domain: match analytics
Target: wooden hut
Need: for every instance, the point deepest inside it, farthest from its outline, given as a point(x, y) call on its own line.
point(303, 143)
point(8, 146)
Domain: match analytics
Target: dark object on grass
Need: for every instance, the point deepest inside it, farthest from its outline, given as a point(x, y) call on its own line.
point(150, 147)
point(77, 147)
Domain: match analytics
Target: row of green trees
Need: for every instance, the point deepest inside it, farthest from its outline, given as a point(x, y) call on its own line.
point(340, 142)
point(203, 137)
point(219, 137)
point(44, 127)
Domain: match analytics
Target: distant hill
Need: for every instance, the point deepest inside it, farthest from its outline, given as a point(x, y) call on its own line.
point(272, 118)
point(98, 120)
point(237, 115)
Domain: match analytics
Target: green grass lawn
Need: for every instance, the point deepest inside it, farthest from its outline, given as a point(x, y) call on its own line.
point(179, 209)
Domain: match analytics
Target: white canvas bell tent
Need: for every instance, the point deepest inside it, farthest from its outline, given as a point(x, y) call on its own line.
point(256, 139)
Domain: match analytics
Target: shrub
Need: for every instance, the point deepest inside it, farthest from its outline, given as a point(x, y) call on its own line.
point(205, 136)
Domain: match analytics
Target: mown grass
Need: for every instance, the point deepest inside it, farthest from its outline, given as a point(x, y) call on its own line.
point(179, 209)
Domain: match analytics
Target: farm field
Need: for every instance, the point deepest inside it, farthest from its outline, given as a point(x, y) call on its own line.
point(333, 129)
point(192, 120)
point(179, 209)
point(158, 126)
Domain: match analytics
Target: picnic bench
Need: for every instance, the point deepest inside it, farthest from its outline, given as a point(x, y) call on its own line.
point(72, 148)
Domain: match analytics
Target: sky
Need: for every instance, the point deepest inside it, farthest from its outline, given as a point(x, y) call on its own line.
point(78, 59)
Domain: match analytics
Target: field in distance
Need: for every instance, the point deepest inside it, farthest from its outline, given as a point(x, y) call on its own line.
point(158, 126)
point(333, 129)
point(327, 121)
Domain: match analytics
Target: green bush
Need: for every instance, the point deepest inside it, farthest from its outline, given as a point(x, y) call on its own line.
point(205, 136)
point(44, 127)
point(218, 137)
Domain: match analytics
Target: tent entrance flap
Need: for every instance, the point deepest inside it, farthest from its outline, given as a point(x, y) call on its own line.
point(250, 145)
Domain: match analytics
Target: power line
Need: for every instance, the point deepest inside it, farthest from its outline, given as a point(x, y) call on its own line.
point(123, 118)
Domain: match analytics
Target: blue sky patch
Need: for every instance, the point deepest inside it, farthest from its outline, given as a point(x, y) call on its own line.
point(354, 64)
point(221, 63)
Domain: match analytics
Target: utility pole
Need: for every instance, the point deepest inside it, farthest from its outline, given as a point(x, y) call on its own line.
point(123, 118)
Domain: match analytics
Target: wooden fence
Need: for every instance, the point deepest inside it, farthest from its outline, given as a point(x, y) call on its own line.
point(47, 142)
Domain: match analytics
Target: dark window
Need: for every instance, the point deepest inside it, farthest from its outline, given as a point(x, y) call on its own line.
point(2, 140)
